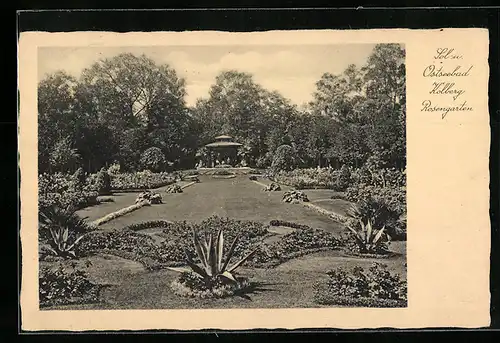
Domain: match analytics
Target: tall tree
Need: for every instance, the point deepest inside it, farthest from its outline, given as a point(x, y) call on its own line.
point(56, 115)
point(138, 100)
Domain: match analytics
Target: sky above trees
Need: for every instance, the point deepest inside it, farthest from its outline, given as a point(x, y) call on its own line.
point(290, 70)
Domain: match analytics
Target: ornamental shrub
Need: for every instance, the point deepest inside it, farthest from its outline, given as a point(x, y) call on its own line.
point(153, 159)
point(285, 159)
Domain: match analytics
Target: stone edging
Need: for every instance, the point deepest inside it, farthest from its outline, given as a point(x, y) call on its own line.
point(119, 213)
point(126, 210)
point(335, 216)
point(188, 184)
point(259, 183)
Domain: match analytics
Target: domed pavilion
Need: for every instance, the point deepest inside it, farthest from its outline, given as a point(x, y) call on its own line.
point(223, 151)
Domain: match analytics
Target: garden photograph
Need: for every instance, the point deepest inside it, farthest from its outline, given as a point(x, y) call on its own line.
point(217, 177)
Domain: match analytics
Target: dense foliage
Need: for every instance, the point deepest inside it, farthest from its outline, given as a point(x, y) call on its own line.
point(141, 180)
point(375, 287)
point(153, 159)
point(130, 243)
point(121, 107)
point(62, 229)
point(117, 109)
point(65, 190)
point(58, 286)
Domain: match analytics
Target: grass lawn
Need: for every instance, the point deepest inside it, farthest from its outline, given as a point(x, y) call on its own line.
point(286, 286)
point(130, 286)
point(237, 198)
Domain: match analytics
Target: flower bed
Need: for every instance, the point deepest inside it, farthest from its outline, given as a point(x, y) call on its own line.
point(61, 287)
point(129, 243)
point(191, 286)
point(64, 190)
point(375, 287)
point(294, 244)
point(315, 178)
point(141, 180)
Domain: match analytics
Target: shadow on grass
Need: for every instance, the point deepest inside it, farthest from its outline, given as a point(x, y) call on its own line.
point(255, 287)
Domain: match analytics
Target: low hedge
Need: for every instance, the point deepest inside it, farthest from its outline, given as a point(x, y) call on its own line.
point(277, 222)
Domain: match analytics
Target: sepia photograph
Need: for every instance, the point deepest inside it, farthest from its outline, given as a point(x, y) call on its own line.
point(231, 176)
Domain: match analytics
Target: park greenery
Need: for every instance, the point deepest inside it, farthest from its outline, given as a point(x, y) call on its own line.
point(131, 111)
point(124, 126)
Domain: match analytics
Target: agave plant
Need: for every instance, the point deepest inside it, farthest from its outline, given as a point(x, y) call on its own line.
point(58, 222)
point(210, 252)
point(368, 239)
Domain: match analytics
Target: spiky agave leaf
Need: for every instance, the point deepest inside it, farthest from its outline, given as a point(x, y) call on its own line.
point(230, 252)
point(220, 250)
point(65, 234)
point(368, 231)
point(357, 236)
point(182, 270)
point(212, 257)
point(195, 268)
point(200, 249)
point(75, 242)
point(378, 236)
point(243, 260)
point(229, 276)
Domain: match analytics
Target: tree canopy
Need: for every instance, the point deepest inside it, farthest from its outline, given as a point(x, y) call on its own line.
point(122, 106)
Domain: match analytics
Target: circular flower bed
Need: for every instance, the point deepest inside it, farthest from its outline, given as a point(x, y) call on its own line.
point(192, 286)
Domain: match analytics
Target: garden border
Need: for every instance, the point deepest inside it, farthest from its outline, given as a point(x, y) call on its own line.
point(259, 183)
point(121, 212)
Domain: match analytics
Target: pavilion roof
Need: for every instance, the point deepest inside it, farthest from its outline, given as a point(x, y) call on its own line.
point(223, 137)
point(222, 144)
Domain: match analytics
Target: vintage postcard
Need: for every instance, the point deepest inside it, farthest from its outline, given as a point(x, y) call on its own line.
point(260, 180)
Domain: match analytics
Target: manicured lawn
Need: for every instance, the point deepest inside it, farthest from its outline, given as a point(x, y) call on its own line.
point(286, 286)
point(237, 198)
point(130, 286)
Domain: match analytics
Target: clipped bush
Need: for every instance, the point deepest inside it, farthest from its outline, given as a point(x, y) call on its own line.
point(295, 197)
point(175, 188)
point(62, 287)
point(252, 178)
point(376, 287)
point(101, 199)
point(221, 172)
point(272, 187)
